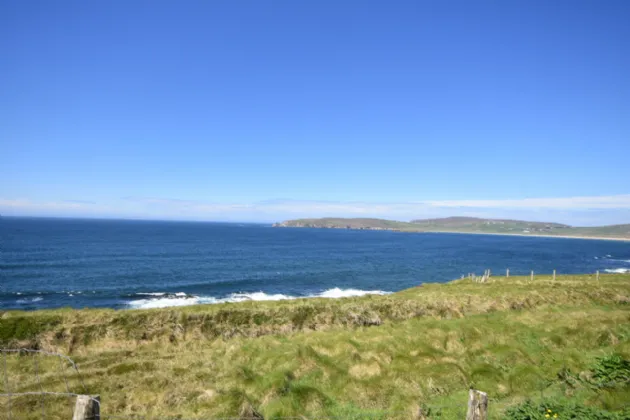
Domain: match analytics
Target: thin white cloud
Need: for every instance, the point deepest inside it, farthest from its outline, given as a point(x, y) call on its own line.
point(616, 208)
point(79, 201)
point(594, 202)
point(24, 204)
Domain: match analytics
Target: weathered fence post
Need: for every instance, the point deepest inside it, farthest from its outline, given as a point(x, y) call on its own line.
point(507, 273)
point(554, 275)
point(597, 275)
point(87, 407)
point(477, 405)
point(531, 276)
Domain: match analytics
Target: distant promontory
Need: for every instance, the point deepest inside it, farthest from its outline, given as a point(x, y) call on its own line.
point(465, 225)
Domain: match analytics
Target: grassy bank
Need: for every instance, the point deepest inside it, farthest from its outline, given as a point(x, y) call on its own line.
point(421, 347)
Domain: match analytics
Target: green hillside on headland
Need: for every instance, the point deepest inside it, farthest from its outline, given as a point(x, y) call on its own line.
point(564, 344)
point(466, 225)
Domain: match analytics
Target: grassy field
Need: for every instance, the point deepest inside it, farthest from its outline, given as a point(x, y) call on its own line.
point(555, 342)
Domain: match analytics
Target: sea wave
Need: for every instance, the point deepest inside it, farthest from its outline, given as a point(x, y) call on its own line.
point(164, 300)
point(617, 270)
point(339, 293)
point(26, 301)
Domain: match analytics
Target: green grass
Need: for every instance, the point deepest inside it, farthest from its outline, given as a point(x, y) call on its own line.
point(382, 356)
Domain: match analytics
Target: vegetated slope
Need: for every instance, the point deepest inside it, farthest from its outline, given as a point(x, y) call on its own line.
point(474, 224)
point(464, 225)
point(347, 223)
point(604, 231)
point(383, 356)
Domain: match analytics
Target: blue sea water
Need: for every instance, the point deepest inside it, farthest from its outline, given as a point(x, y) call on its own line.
point(48, 263)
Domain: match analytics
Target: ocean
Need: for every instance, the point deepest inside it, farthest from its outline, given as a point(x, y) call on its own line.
point(122, 264)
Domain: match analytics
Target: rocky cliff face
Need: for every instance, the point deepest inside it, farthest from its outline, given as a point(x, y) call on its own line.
point(292, 223)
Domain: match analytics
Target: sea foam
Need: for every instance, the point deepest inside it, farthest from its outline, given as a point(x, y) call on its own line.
point(164, 300)
point(340, 293)
point(29, 300)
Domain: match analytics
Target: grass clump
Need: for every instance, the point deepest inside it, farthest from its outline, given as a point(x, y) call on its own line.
point(23, 328)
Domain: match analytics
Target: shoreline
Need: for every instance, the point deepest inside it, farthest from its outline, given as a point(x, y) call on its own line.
point(288, 300)
point(471, 225)
point(537, 235)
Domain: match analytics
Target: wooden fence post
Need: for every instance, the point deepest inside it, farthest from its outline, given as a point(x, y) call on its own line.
point(87, 407)
point(477, 405)
point(507, 273)
point(554, 275)
point(597, 275)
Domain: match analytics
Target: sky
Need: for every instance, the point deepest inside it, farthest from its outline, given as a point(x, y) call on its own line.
point(266, 110)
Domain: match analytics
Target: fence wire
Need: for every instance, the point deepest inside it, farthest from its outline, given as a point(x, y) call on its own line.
point(29, 382)
point(35, 389)
point(382, 415)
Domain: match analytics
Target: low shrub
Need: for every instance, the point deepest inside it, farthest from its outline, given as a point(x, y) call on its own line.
point(555, 409)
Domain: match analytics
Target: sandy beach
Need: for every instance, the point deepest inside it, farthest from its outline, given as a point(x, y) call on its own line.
point(601, 238)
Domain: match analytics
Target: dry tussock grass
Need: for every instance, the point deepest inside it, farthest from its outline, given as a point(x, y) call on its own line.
point(508, 337)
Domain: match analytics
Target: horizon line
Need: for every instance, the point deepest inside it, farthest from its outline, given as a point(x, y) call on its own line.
point(130, 219)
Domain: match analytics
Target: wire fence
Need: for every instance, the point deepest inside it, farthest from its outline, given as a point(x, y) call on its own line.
point(38, 384)
point(42, 385)
point(458, 412)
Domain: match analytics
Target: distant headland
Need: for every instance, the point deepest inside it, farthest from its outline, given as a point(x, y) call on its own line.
point(466, 225)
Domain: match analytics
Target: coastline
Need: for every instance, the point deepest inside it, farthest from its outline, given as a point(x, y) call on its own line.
point(537, 235)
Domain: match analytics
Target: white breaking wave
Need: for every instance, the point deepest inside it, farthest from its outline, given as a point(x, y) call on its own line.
point(617, 270)
point(31, 300)
point(242, 297)
point(164, 300)
point(340, 293)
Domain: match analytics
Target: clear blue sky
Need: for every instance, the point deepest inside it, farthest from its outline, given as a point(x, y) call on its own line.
point(260, 110)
